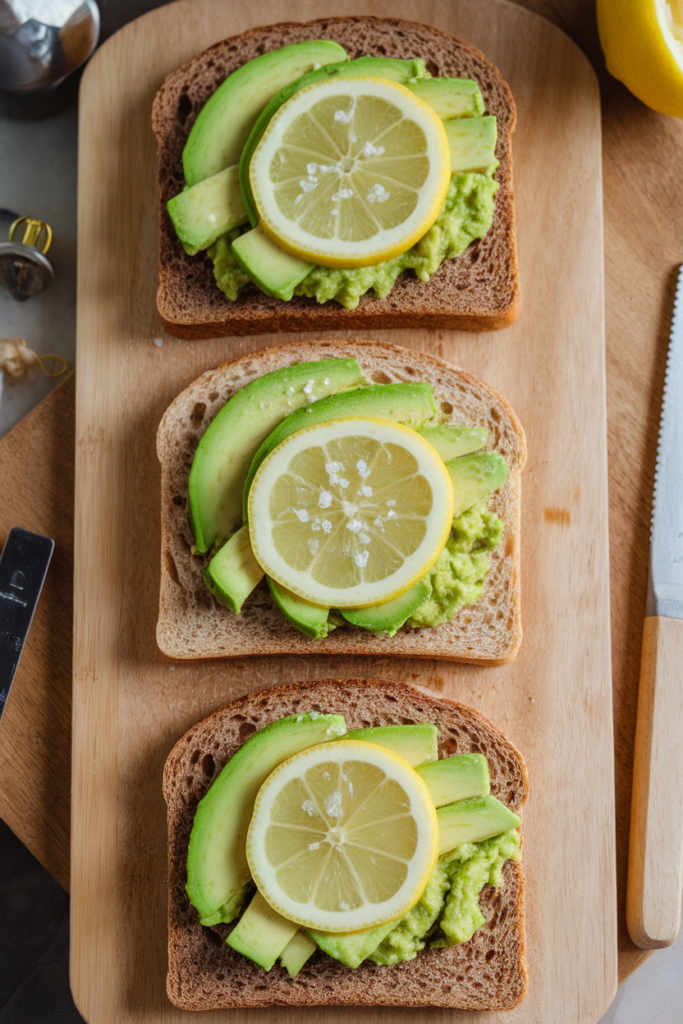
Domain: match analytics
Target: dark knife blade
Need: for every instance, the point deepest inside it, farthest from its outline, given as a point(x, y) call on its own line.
point(23, 565)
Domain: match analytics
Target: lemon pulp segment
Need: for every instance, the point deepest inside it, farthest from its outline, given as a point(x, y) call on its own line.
point(351, 172)
point(350, 512)
point(343, 837)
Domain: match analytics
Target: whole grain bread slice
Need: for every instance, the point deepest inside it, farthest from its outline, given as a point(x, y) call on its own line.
point(488, 972)
point(477, 291)
point(195, 624)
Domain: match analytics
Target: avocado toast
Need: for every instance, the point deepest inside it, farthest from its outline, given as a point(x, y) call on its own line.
point(485, 972)
point(193, 623)
point(476, 290)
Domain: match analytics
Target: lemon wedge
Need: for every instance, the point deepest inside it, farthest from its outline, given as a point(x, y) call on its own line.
point(344, 836)
point(351, 172)
point(350, 512)
point(643, 45)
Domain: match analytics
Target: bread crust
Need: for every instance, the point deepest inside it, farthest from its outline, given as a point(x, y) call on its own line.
point(195, 624)
point(477, 291)
point(488, 972)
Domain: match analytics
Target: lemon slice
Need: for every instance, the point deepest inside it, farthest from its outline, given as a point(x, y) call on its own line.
point(643, 45)
point(344, 836)
point(351, 172)
point(350, 512)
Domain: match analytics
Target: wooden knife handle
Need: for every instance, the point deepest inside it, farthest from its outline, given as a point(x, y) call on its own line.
point(655, 864)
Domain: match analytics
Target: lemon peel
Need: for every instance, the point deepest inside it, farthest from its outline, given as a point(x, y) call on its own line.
point(643, 45)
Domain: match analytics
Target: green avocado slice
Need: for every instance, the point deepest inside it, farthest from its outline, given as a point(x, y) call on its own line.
point(273, 270)
point(474, 477)
point(217, 869)
point(412, 404)
point(450, 97)
point(233, 572)
point(261, 933)
point(203, 212)
point(223, 124)
point(402, 71)
point(390, 616)
point(456, 778)
point(451, 442)
point(298, 950)
point(231, 440)
point(472, 143)
point(471, 821)
point(416, 743)
point(309, 619)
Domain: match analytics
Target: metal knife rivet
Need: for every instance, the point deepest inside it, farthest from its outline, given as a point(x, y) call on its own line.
point(25, 270)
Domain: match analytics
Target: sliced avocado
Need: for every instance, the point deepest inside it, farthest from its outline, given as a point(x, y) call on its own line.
point(412, 404)
point(402, 71)
point(390, 616)
point(261, 933)
point(217, 868)
point(273, 270)
point(233, 572)
point(450, 97)
point(298, 950)
point(416, 743)
point(224, 122)
point(229, 444)
point(475, 476)
point(352, 948)
point(451, 442)
point(310, 619)
point(205, 211)
point(456, 778)
point(472, 142)
point(471, 821)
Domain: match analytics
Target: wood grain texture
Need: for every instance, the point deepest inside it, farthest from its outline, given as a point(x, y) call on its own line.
point(642, 154)
point(554, 701)
point(37, 476)
point(655, 868)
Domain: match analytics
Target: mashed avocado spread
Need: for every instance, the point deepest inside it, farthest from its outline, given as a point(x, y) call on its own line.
point(447, 913)
point(467, 213)
point(457, 577)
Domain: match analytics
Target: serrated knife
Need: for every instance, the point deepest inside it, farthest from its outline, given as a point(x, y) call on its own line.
point(655, 868)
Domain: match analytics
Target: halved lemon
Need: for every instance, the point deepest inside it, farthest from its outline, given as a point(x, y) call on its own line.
point(350, 512)
point(351, 172)
point(344, 836)
point(643, 45)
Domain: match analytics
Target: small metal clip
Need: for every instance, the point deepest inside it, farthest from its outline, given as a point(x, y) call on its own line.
point(24, 268)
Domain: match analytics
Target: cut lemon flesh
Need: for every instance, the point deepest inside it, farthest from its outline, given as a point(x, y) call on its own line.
point(351, 172)
point(643, 45)
point(343, 837)
point(350, 512)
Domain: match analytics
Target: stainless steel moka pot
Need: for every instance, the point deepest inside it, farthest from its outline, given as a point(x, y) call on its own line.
point(41, 43)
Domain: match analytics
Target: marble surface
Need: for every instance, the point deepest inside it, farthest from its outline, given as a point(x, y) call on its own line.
point(653, 994)
point(38, 178)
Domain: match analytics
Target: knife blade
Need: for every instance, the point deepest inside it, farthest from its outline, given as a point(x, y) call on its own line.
point(23, 566)
point(655, 870)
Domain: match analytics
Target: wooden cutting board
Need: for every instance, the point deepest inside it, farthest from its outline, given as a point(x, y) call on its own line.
point(554, 701)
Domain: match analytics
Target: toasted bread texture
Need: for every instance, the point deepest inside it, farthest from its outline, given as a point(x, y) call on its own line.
point(479, 290)
point(486, 973)
point(195, 624)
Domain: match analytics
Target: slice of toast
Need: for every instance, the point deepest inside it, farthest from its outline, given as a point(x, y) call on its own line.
point(478, 290)
point(195, 624)
point(486, 973)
